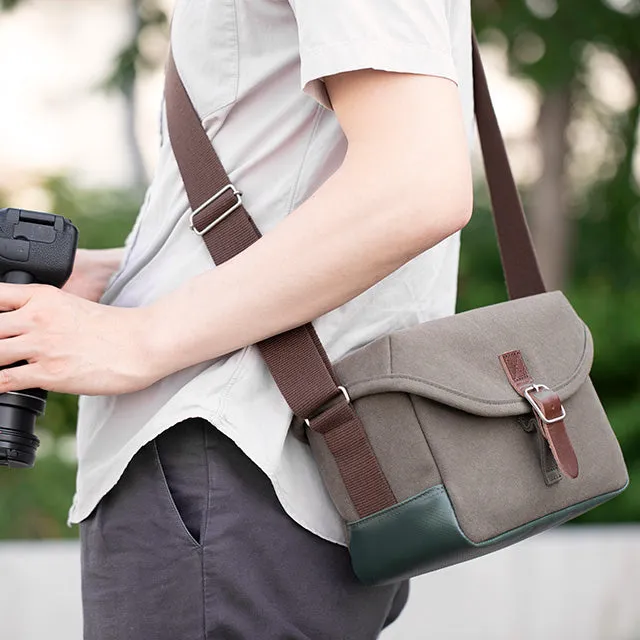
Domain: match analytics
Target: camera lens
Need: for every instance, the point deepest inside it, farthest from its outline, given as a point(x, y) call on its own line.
point(34, 247)
point(18, 413)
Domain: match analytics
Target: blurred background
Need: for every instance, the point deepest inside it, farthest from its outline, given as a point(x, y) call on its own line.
point(80, 89)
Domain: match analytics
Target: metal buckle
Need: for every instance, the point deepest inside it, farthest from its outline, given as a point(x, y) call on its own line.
point(536, 408)
point(344, 393)
point(221, 217)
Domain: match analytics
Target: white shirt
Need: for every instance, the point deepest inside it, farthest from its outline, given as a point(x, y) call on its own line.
point(253, 69)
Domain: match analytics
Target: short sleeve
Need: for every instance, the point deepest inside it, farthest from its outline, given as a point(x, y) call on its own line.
point(410, 36)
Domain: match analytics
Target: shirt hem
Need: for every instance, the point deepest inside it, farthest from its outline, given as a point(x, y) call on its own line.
point(79, 513)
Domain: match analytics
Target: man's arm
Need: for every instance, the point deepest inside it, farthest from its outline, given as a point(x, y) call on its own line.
point(404, 186)
point(92, 270)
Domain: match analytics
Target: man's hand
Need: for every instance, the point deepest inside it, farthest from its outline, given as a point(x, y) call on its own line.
point(71, 345)
point(92, 271)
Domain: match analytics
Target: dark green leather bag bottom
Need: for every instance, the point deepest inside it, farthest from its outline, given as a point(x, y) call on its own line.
point(422, 534)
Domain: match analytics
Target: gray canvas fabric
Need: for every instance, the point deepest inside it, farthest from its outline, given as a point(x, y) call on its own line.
point(438, 408)
point(455, 360)
point(399, 443)
point(192, 544)
point(491, 467)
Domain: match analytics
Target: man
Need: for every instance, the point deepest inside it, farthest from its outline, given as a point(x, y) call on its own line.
point(346, 126)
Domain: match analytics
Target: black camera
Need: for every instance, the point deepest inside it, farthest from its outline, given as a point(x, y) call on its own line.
point(34, 247)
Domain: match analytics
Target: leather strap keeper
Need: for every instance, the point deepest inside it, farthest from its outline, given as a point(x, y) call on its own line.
point(547, 408)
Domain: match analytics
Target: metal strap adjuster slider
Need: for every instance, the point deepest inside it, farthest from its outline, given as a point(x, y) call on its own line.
point(222, 216)
point(536, 406)
point(344, 393)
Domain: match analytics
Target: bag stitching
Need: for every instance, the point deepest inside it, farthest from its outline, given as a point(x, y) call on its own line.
point(461, 394)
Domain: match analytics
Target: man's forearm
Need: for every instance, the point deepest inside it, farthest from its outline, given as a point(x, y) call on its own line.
point(355, 230)
point(92, 271)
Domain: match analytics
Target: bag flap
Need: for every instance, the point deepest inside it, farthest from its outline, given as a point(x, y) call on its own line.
point(454, 360)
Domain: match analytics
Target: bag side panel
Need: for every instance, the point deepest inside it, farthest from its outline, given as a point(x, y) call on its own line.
point(490, 467)
point(398, 442)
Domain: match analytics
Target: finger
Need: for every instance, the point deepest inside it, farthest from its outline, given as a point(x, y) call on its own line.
point(14, 296)
point(13, 350)
point(26, 376)
point(12, 323)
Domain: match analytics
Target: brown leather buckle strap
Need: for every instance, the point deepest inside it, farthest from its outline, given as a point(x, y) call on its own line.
point(550, 415)
point(547, 409)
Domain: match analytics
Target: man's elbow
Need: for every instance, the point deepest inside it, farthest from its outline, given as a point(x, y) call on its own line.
point(442, 208)
point(458, 209)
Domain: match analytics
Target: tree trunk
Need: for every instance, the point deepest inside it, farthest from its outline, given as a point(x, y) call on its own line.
point(550, 224)
point(140, 177)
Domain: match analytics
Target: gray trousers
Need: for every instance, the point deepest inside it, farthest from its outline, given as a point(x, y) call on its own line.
point(192, 544)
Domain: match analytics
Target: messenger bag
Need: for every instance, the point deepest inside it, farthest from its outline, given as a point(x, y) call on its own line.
point(449, 439)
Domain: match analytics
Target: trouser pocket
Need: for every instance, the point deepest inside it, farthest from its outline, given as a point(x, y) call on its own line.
point(181, 455)
point(141, 567)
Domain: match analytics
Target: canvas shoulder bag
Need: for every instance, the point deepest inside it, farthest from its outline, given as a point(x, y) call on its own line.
point(449, 439)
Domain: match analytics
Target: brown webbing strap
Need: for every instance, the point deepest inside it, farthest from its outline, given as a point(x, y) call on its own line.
point(297, 361)
point(519, 262)
point(296, 358)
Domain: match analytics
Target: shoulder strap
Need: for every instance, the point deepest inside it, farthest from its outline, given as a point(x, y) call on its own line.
point(296, 358)
point(519, 262)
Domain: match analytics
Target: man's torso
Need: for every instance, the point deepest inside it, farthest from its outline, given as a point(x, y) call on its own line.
point(239, 60)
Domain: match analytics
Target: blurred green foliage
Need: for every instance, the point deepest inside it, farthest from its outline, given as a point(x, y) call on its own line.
point(604, 259)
